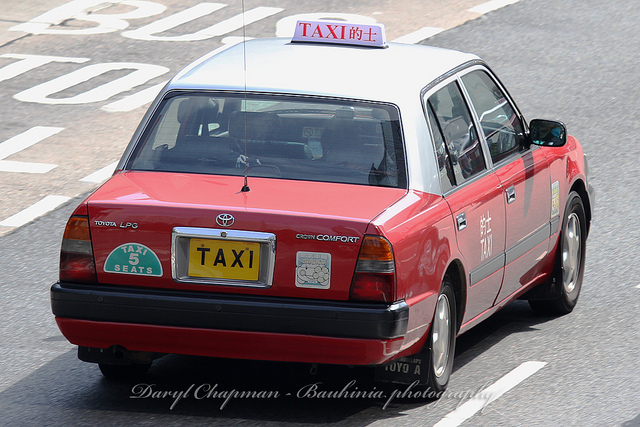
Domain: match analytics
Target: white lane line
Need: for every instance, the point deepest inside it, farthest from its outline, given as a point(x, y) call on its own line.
point(34, 211)
point(100, 175)
point(489, 394)
point(491, 5)
point(638, 286)
point(418, 36)
point(131, 102)
point(25, 167)
point(26, 139)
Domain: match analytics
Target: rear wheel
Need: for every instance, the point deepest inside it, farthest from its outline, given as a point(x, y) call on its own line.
point(568, 272)
point(427, 372)
point(442, 339)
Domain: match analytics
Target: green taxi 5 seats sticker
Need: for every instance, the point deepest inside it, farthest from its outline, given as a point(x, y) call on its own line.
point(133, 258)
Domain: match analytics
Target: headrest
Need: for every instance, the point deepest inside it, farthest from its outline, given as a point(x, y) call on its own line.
point(197, 105)
point(259, 125)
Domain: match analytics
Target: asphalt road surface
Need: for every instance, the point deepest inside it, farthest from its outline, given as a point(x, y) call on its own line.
point(572, 60)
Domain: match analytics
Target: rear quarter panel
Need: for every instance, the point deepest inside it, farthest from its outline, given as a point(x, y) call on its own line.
point(421, 230)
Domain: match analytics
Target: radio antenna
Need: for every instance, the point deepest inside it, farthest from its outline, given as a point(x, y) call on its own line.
point(245, 188)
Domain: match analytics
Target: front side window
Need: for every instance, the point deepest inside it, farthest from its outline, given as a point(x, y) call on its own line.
point(298, 138)
point(458, 132)
point(500, 124)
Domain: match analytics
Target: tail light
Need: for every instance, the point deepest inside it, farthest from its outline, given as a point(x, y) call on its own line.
point(375, 275)
point(76, 254)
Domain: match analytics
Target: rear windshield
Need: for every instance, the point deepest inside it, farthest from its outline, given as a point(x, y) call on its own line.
point(299, 138)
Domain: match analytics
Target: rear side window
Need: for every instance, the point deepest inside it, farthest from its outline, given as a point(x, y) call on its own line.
point(272, 136)
point(445, 171)
point(456, 129)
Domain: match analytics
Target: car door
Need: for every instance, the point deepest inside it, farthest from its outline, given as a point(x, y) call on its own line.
point(524, 175)
point(473, 192)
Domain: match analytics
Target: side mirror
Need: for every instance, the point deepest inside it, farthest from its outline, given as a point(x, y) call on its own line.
point(547, 133)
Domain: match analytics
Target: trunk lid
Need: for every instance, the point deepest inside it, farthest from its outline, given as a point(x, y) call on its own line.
point(318, 229)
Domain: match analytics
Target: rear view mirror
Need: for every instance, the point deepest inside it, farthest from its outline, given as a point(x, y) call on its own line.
point(548, 133)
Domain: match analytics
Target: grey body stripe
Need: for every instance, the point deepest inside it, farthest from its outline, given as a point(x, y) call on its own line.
point(516, 251)
point(487, 269)
point(528, 243)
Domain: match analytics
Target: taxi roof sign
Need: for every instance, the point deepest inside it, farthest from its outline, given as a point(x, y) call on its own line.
point(340, 32)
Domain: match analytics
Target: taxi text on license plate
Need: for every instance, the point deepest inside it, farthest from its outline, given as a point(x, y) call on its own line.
point(224, 259)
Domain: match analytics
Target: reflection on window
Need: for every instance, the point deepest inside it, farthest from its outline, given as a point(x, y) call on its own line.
point(275, 136)
point(445, 171)
point(500, 124)
point(459, 133)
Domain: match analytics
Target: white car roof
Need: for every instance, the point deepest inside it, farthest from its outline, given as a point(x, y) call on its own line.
point(396, 74)
point(280, 66)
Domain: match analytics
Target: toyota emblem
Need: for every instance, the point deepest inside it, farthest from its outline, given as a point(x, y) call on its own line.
point(225, 220)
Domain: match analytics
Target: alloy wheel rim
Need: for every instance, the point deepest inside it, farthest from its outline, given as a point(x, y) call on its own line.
point(441, 337)
point(571, 250)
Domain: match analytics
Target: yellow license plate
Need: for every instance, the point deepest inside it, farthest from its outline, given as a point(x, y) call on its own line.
point(220, 259)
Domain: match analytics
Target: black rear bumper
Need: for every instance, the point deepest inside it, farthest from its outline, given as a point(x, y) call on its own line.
point(119, 304)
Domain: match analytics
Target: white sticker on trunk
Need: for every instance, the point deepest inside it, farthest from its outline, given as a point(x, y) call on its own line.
point(133, 258)
point(313, 270)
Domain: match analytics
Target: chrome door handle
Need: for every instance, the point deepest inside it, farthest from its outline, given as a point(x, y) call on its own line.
point(461, 219)
point(511, 195)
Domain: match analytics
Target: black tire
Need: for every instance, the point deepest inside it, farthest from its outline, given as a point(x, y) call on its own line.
point(568, 271)
point(123, 372)
point(441, 342)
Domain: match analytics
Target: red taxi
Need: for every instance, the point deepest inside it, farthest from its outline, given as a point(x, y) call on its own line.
point(346, 202)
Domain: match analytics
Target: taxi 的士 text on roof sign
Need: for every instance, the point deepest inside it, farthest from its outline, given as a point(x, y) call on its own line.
point(338, 32)
point(324, 217)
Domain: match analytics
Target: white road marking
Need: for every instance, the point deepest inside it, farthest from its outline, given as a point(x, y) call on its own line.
point(25, 167)
point(100, 175)
point(141, 74)
point(160, 26)
point(131, 102)
point(29, 62)
point(232, 24)
point(85, 10)
point(489, 394)
point(34, 211)
point(491, 5)
point(418, 36)
point(236, 22)
point(26, 139)
point(638, 286)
